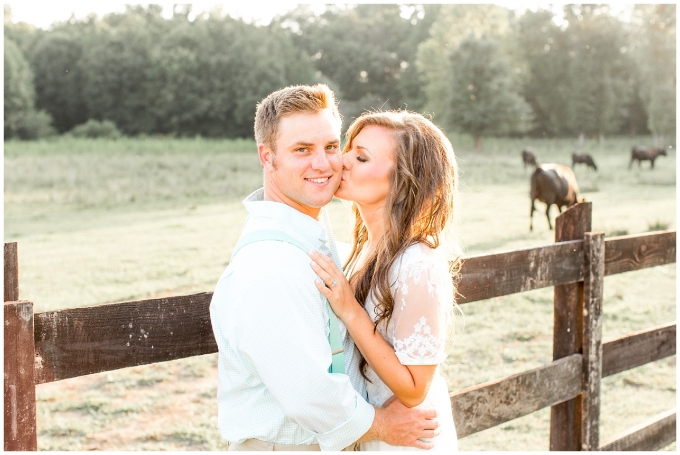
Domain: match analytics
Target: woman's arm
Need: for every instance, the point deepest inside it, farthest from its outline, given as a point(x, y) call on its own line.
point(409, 383)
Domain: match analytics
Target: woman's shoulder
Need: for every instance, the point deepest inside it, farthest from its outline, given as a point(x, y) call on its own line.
point(422, 255)
point(421, 251)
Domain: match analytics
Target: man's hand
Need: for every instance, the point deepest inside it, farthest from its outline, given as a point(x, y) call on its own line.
point(398, 425)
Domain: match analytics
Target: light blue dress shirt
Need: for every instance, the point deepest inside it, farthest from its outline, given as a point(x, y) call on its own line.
point(271, 327)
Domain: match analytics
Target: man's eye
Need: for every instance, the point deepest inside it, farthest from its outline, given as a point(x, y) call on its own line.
point(301, 149)
point(331, 147)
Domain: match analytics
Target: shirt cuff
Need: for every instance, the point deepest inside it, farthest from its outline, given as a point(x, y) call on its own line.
point(351, 429)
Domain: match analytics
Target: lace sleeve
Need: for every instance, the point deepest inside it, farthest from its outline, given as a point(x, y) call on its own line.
point(423, 299)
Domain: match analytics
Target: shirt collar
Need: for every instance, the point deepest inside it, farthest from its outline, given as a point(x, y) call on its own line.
point(270, 214)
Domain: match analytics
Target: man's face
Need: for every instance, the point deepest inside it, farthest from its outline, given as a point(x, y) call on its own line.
point(305, 170)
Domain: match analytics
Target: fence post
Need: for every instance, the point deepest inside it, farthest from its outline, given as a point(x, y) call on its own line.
point(592, 340)
point(20, 424)
point(565, 418)
point(19, 352)
point(11, 273)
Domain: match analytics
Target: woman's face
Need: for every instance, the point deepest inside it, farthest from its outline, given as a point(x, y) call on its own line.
point(367, 167)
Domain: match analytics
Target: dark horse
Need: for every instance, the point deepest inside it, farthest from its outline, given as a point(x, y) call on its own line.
point(529, 157)
point(584, 158)
point(642, 153)
point(552, 184)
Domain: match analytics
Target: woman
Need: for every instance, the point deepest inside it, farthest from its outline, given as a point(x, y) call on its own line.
point(400, 172)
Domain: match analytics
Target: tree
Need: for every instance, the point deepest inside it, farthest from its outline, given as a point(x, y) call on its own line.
point(579, 77)
point(367, 51)
point(544, 52)
point(204, 73)
point(411, 85)
point(483, 97)
point(152, 75)
point(597, 72)
point(119, 82)
point(635, 109)
point(655, 54)
point(24, 35)
point(452, 25)
point(21, 118)
point(59, 79)
point(214, 71)
point(19, 93)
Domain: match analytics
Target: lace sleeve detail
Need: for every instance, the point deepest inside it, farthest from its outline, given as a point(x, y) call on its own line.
point(423, 299)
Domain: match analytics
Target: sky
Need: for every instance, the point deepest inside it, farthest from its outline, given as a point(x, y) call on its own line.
point(43, 13)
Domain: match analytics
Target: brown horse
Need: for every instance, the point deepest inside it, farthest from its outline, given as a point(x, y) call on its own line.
point(552, 184)
point(529, 157)
point(584, 158)
point(642, 153)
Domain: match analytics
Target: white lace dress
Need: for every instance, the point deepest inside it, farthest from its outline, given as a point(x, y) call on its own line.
point(423, 301)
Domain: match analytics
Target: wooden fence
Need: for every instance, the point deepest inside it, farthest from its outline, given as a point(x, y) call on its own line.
point(56, 345)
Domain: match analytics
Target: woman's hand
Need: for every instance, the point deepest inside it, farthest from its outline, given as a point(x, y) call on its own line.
point(334, 286)
point(409, 383)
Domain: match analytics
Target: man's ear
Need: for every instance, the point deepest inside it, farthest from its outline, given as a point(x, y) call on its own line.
point(266, 156)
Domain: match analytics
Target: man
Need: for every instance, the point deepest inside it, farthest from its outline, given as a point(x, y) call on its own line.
point(275, 391)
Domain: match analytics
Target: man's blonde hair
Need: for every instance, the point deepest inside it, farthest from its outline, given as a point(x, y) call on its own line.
point(291, 100)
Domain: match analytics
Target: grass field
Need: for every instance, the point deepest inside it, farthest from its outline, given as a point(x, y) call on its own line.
point(105, 221)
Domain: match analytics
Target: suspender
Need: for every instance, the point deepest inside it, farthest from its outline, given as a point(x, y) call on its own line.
point(338, 363)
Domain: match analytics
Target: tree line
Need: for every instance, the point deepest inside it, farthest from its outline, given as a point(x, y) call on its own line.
point(478, 69)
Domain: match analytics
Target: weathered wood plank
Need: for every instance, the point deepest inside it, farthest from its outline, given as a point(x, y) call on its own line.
point(487, 405)
point(565, 418)
point(11, 272)
point(19, 384)
point(634, 252)
point(492, 275)
point(635, 349)
point(653, 434)
point(592, 341)
point(80, 341)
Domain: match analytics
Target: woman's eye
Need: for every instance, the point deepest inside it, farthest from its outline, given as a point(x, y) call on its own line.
point(361, 159)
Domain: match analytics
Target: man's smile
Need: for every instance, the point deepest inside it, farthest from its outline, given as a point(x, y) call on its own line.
point(318, 179)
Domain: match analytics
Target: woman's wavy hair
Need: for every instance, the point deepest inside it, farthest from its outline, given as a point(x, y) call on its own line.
point(420, 203)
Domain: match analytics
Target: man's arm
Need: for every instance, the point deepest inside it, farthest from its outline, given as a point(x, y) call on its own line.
point(398, 425)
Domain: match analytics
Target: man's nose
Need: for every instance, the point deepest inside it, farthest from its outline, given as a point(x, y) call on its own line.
point(320, 161)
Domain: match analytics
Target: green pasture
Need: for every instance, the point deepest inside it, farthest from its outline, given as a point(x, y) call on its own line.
point(101, 221)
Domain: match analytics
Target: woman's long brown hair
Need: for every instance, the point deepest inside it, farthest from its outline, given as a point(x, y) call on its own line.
point(420, 203)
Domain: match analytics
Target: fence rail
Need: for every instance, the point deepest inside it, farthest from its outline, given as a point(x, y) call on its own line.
point(653, 434)
point(79, 341)
point(635, 349)
point(487, 405)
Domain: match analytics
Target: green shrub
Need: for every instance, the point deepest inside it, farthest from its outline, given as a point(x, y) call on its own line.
point(96, 129)
point(36, 125)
